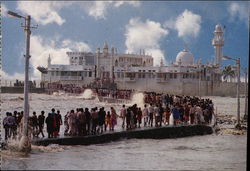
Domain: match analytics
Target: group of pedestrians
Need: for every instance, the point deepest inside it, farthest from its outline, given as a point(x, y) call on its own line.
point(81, 121)
point(117, 94)
point(11, 123)
point(53, 122)
point(156, 112)
point(184, 109)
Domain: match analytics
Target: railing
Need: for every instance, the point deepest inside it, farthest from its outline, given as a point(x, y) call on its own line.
point(71, 78)
point(12, 83)
point(161, 80)
point(129, 79)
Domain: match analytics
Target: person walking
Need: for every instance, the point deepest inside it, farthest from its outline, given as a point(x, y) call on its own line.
point(157, 115)
point(34, 124)
point(113, 118)
point(58, 123)
point(72, 123)
point(108, 121)
point(41, 119)
point(128, 118)
point(139, 117)
point(186, 113)
point(167, 115)
point(88, 120)
point(145, 115)
point(82, 122)
point(101, 119)
point(151, 114)
point(14, 129)
point(49, 122)
point(161, 111)
point(94, 116)
point(6, 126)
point(66, 123)
point(192, 114)
point(122, 114)
point(176, 114)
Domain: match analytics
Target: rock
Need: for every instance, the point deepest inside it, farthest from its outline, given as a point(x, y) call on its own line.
point(3, 145)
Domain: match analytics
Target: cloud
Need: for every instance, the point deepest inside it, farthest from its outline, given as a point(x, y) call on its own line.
point(99, 9)
point(75, 46)
point(43, 12)
point(239, 10)
point(186, 24)
point(10, 77)
point(46, 12)
point(133, 3)
point(41, 48)
point(145, 35)
point(4, 10)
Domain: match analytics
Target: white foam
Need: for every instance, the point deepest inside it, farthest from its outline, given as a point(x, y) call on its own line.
point(138, 98)
point(87, 94)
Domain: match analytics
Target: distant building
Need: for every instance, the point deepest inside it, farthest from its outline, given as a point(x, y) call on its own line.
point(136, 71)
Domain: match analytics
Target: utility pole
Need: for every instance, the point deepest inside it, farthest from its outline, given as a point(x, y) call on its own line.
point(237, 60)
point(25, 144)
point(246, 95)
point(238, 93)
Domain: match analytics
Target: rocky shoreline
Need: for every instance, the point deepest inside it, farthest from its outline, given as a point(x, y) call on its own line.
point(226, 125)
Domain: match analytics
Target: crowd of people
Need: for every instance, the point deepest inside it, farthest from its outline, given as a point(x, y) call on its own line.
point(68, 88)
point(105, 92)
point(157, 111)
point(117, 94)
point(13, 124)
point(86, 122)
point(184, 108)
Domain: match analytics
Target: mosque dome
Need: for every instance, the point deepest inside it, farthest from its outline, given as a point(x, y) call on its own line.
point(185, 57)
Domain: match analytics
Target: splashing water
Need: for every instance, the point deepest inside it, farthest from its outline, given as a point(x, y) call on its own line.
point(12, 149)
point(138, 98)
point(55, 94)
point(87, 94)
point(58, 93)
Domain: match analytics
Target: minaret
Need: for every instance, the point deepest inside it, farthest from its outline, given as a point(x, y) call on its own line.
point(105, 49)
point(218, 42)
point(161, 63)
point(97, 63)
point(112, 63)
point(49, 61)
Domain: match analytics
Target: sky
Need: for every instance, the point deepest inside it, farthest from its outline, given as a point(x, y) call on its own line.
point(162, 28)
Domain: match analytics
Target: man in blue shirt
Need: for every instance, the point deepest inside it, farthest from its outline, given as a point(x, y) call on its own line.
point(176, 114)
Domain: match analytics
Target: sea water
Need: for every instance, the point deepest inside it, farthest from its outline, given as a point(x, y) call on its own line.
point(209, 152)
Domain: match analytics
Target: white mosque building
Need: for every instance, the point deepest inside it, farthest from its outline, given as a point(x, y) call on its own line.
point(137, 71)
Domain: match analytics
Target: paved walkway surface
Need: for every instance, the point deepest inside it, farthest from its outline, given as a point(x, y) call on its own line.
point(145, 132)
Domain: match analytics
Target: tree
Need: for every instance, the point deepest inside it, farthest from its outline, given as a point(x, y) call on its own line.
point(228, 73)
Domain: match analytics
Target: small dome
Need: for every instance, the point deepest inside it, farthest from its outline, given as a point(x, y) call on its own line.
point(185, 57)
point(218, 28)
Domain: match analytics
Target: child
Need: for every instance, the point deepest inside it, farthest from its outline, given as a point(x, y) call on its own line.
point(108, 121)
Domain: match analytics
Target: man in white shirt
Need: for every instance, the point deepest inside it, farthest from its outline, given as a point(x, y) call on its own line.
point(151, 114)
point(145, 115)
point(123, 114)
